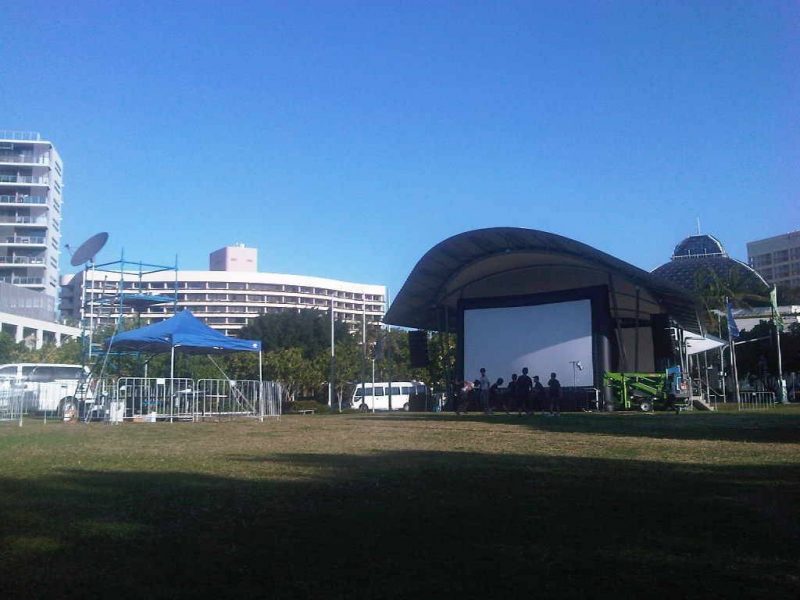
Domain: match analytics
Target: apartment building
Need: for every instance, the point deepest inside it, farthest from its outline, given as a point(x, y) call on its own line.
point(777, 259)
point(225, 297)
point(31, 175)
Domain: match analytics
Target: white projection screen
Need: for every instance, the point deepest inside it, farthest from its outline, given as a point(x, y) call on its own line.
point(546, 338)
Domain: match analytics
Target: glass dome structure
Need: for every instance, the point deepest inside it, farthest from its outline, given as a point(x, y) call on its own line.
point(699, 259)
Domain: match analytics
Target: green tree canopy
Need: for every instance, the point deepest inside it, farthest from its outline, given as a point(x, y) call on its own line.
point(308, 330)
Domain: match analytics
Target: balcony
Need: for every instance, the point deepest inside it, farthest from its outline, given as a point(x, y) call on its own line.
point(27, 159)
point(22, 199)
point(23, 240)
point(23, 280)
point(21, 260)
point(20, 136)
point(23, 220)
point(24, 179)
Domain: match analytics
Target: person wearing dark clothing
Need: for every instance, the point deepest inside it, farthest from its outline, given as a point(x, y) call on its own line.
point(462, 397)
point(523, 389)
point(554, 393)
point(511, 392)
point(538, 394)
point(496, 394)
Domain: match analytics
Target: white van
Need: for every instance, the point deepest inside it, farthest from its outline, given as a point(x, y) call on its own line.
point(377, 397)
point(44, 387)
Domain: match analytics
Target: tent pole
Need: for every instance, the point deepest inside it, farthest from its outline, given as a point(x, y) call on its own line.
point(171, 381)
point(261, 385)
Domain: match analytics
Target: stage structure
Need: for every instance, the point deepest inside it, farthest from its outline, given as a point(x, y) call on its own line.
point(122, 290)
point(171, 398)
point(519, 298)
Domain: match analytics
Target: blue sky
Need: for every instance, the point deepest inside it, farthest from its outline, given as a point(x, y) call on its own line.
point(344, 139)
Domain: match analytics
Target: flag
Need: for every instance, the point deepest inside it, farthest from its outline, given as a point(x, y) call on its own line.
point(733, 330)
point(776, 315)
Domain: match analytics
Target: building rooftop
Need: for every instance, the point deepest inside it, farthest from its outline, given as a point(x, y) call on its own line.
point(699, 259)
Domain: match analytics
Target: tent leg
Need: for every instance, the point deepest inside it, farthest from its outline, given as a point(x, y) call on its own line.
point(171, 381)
point(260, 386)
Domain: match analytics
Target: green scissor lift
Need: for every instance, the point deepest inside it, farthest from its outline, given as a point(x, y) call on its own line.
point(648, 391)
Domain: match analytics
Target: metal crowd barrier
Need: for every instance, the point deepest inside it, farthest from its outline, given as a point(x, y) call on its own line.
point(756, 400)
point(181, 399)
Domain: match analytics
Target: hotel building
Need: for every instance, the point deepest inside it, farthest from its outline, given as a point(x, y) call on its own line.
point(777, 259)
point(30, 211)
point(225, 297)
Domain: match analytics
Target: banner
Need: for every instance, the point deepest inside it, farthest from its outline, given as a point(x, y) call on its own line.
point(733, 330)
point(776, 315)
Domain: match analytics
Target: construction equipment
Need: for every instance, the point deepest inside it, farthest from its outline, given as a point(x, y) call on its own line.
point(648, 391)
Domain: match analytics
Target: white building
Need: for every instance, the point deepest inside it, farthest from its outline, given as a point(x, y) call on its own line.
point(224, 299)
point(30, 211)
point(29, 317)
point(777, 259)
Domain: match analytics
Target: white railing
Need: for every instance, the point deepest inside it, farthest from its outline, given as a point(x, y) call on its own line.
point(21, 260)
point(756, 400)
point(34, 179)
point(24, 159)
point(22, 199)
point(20, 136)
point(163, 399)
point(11, 403)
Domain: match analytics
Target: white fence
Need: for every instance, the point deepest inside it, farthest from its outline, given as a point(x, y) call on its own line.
point(145, 399)
point(165, 399)
point(11, 403)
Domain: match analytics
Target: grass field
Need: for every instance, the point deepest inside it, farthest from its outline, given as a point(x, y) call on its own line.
point(403, 506)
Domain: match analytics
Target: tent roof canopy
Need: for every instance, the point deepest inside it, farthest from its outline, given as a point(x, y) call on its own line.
point(512, 261)
point(185, 333)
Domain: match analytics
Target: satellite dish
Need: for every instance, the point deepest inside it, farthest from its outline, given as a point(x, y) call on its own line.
point(89, 249)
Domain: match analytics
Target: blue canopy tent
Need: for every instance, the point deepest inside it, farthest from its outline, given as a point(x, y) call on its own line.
point(183, 332)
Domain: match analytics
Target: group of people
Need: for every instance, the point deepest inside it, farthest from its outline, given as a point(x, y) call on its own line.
point(522, 394)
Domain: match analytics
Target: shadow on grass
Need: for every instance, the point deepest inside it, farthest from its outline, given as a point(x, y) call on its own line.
point(405, 524)
point(762, 427)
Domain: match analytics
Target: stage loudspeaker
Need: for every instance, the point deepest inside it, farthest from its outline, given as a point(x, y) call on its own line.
point(418, 349)
point(663, 345)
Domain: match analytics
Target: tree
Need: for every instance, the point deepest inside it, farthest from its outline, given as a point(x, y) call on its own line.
point(10, 351)
point(714, 289)
point(293, 369)
point(308, 330)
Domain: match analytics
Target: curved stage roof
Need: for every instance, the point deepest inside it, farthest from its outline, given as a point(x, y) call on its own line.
point(510, 261)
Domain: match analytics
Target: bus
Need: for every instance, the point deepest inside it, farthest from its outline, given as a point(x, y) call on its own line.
point(377, 397)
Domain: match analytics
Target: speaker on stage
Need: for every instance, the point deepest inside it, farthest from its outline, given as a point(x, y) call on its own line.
point(418, 349)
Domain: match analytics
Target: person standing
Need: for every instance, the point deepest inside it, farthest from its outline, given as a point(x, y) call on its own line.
point(495, 393)
point(554, 392)
point(484, 385)
point(538, 394)
point(511, 393)
point(462, 398)
point(523, 387)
